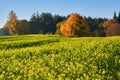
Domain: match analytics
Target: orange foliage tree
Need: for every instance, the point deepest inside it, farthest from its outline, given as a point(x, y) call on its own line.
point(12, 23)
point(15, 26)
point(112, 27)
point(75, 25)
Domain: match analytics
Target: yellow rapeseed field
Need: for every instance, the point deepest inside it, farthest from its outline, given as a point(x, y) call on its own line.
point(52, 57)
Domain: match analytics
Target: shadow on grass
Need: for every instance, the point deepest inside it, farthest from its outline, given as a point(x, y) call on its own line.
point(18, 45)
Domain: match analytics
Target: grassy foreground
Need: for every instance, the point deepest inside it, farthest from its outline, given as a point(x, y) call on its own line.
point(43, 57)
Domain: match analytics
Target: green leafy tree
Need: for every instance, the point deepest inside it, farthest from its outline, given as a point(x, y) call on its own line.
point(23, 27)
point(100, 31)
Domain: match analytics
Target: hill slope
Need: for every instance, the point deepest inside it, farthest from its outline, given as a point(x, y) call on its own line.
point(55, 57)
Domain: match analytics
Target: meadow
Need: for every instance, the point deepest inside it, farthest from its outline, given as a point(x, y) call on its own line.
point(52, 57)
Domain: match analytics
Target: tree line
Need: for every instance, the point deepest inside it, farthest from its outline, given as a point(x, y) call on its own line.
point(71, 25)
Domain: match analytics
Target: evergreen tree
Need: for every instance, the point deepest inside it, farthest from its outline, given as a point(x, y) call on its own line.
point(23, 27)
point(115, 15)
point(118, 19)
point(4, 31)
point(35, 23)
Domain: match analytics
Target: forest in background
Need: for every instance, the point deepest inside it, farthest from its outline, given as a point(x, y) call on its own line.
point(71, 25)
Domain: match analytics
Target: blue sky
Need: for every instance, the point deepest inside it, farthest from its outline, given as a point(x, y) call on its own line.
point(25, 8)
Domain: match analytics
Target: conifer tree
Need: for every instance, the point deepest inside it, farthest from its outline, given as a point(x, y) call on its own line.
point(118, 19)
point(115, 15)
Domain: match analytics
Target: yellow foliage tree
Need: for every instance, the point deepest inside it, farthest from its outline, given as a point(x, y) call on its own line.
point(15, 26)
point(12, 23)
point(75, 25)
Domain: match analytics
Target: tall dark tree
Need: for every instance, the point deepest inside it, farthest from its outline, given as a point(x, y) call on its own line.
point(118, 19)
point(115, 15)
point(4, 31)
point(47, 22)
point(23, 27)
point(35, 23)
point(100, 31)
point(57, 19)
point(33, 17)
point(44, 23)
point(94, 24)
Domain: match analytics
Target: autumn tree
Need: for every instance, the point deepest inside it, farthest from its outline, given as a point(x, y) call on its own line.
point(112, 27)
point(75, 25)
point(58, 26)
point(15, 26)
point(4, 30)
point(12, 23)
point(56, 22)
